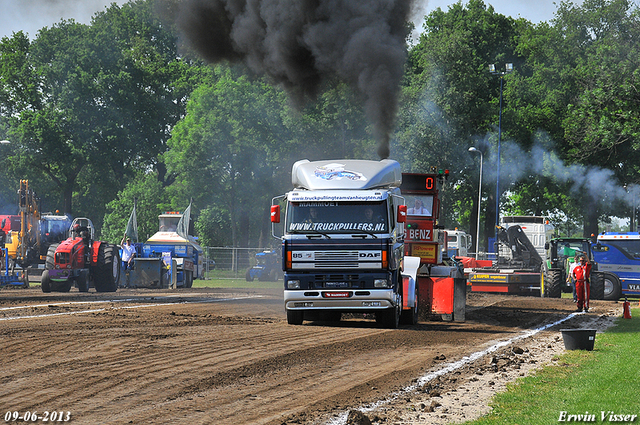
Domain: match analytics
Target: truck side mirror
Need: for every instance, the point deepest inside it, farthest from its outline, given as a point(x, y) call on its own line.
point(275, 213)
point(402, 214)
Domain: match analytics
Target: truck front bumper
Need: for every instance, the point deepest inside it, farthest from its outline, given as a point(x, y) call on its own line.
point(357, 300)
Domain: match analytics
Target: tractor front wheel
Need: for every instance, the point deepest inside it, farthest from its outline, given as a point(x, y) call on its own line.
point(597, 286)
point(82, 281)
point(45, 282)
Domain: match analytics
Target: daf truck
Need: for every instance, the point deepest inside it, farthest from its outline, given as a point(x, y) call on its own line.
point(342, 229)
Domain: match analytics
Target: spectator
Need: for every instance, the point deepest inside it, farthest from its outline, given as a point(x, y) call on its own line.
point(572, 263)
point(128, 253)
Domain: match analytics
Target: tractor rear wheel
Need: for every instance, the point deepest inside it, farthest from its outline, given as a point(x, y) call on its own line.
point(107, 271)
point(553, 284)
point(45, 281)
point(51, 252)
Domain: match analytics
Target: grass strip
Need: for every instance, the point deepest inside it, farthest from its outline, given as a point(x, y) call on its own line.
point(235, 283)
point(595, 384)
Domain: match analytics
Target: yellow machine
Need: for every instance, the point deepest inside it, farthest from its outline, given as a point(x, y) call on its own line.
point(30, 233)
point(29, 237)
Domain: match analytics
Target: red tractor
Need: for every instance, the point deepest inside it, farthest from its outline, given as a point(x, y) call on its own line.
point(82, 260)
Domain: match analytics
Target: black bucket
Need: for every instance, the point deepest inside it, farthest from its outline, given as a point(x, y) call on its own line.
point(578, 339)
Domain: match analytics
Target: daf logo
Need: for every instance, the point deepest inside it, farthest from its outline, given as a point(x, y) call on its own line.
point(369, 255)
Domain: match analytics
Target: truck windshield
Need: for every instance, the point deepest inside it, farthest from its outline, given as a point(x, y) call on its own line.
point(169, 223)
point(337, 217)
point(420, 205)
point(571, 248)
point(55, 228)
point(629, 247)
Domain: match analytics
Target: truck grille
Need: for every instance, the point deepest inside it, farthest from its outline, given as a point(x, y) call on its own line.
point(341, 256)
point(368, 257)
point(334, 265)
point(336, 259)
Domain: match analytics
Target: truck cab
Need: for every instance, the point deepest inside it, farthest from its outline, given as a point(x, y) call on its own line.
point(618, 257)
point(458, 243)
point(342, 240)
point(184, 255)
point(537, 230)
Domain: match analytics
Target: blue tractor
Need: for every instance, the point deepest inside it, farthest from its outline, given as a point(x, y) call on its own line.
point(267, 268)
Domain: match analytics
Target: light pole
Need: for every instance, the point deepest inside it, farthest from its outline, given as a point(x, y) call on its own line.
point(492, 69)
point(633, 226)
point(632, 221)
point(473, 149)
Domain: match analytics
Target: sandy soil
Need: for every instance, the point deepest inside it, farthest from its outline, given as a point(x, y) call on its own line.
point(464, 393)
point(203, 356)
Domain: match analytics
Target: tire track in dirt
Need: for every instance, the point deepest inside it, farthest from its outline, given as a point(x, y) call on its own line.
point(132, 356)
point(236, 362)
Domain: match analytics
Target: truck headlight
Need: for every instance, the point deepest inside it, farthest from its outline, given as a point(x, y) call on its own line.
point(380, 283)
point(293, 284)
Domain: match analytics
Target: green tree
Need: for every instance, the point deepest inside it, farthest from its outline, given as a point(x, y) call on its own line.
point(450, 102)
point(227, 151)
point(150, 199)
point(578, 84)
point(91, 104)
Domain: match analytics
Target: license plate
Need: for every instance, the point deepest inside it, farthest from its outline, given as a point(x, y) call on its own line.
point(337, 285)
point(336, 294)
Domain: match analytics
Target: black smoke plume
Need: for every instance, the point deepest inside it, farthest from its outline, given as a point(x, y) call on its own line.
point(300, 43)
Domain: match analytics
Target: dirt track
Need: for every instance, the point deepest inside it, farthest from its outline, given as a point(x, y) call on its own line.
point(205, 356)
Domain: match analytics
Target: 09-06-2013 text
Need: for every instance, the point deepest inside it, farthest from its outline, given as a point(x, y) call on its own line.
point(46, 416)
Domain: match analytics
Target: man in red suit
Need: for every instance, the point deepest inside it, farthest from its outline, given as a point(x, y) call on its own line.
point(582, 274)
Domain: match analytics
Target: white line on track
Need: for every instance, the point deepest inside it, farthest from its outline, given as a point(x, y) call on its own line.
point(203, 301)
point(341, 419)
point(66, 303)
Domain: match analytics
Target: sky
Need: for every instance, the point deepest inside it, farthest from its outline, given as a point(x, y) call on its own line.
point(32, 15)
point(534, 11)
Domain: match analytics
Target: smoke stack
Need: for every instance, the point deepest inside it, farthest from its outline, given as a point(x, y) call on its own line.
point(300, 43)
